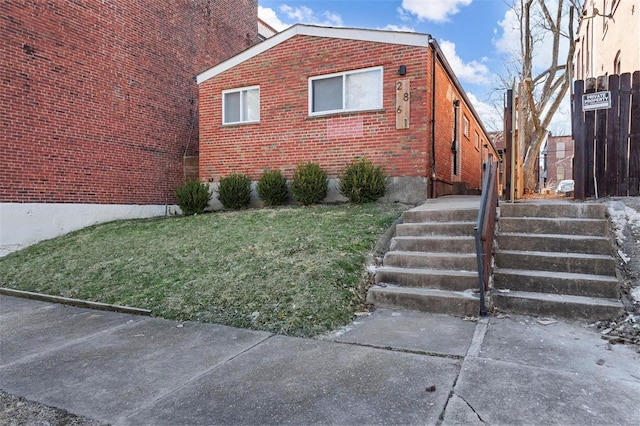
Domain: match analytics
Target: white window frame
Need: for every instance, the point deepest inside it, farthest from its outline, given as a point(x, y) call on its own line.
point(465, 125)
point(344, 91)
point(240, 90)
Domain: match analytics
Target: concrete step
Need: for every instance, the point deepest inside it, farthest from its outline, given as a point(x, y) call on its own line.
point(553, 210)
point(435, 228)
point(417, 259)
point(427, 278)
point(554, 243)
point(421, 216)
point(558, 305)
point(554, 259)
point(556, 283)
point(559, 226)
point(579, 263)
point(434, 243)
point(425, 299)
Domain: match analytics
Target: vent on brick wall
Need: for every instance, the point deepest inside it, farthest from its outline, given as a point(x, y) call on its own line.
point(28, 49)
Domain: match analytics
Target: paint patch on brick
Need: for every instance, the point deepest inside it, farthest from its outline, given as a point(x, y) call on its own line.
point(339, 128)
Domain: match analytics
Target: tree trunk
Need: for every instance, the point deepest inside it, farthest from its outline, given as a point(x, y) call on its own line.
point(541, 96)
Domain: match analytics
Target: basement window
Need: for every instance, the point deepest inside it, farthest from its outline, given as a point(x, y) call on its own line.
point(359, 90)
point(241, 105)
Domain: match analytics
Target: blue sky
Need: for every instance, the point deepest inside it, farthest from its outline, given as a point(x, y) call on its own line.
point(475, 35)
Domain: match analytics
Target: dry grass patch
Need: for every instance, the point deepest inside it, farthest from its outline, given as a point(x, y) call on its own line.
point(289, 270)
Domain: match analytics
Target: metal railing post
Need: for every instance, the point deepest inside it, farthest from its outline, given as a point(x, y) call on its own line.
point(484, 232)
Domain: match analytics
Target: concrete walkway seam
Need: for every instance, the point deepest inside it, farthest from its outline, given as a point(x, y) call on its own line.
point(29, 358)
point(473, 352)
point(478, 337)
point(194, 379)
point(401, 350)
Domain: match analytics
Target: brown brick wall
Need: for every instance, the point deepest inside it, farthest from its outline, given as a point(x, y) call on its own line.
point(98, 98)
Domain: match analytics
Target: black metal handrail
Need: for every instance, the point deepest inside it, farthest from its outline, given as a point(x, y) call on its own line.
point(484, 229)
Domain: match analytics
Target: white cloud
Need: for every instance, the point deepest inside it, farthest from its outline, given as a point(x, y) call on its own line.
point(287, 16)
point(490, 115)
point(270, 17)
point(561, 122)
point(403, 28)
point(299, 14)
point(403, 15)
point(306, 15)
point(333, 19)
point(437, 11)
point(508, 42)
point(507, 39)
point(473, 72)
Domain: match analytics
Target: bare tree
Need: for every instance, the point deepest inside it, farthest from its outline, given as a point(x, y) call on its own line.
point(541, 92)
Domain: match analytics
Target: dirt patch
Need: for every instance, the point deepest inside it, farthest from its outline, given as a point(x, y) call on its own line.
point(624, 216)
point(16, 411)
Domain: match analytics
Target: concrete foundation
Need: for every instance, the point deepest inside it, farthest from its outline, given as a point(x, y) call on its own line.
point(406, 190)
point(24, 224)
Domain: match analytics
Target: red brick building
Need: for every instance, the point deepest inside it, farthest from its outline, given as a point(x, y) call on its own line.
point(99, 105)
point(331, 95)
point(559, 159)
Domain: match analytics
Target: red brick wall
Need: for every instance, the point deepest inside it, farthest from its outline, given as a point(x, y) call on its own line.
point(286, 135)
point(445, 95)
point(554, 160)
point(98, 98)
point(469, 169)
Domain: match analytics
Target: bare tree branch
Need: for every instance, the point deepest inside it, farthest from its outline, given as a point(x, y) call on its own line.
point(541, 95)
point(545, 73)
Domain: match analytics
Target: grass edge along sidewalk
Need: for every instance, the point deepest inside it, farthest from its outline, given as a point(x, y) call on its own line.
point(291, 270)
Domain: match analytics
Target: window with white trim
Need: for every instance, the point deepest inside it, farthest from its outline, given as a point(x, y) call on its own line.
point(241, 105)
point(347, 91)
point(465, 126)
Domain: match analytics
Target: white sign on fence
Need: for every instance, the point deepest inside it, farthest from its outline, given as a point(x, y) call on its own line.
point(597, 100)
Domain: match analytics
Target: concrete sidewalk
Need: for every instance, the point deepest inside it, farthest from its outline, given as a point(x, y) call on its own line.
point(392, 367)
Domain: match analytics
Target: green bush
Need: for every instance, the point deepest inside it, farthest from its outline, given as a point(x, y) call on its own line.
point(234, 191)
point(193, 197)
point(309, 184)
point(272, 188)
point(363, 182)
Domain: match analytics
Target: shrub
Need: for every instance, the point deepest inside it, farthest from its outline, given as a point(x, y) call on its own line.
point(309, 184)
point(234, 191)
point(193, 197)
point(272, 188)
point(363, 182)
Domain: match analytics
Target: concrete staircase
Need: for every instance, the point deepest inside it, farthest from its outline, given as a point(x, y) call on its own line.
point(431, 265)
point(555, 259)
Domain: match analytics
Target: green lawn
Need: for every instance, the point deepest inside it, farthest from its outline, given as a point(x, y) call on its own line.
point(290, 270)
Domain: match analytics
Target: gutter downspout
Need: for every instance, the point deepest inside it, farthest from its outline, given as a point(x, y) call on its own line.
point(434, 192)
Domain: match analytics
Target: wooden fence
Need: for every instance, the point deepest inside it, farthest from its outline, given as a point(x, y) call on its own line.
point(607, 139)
